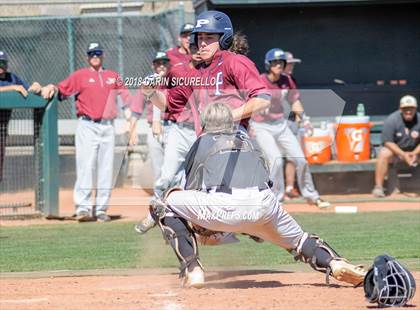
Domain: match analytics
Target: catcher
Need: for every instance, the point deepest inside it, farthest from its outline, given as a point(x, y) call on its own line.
point(228, 190)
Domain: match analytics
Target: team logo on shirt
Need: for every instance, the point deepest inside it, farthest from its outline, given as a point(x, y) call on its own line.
point(91, 80)
point(414, 134)
point(110, 81)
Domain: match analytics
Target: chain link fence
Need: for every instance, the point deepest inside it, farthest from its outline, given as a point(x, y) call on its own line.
point(48, 49)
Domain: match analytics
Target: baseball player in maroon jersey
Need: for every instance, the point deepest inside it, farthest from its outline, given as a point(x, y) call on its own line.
point(96, 90)
point(181, 52)
point(184, 116)
point(273, 133)
point(156, 138)
point(223, 75)
point(290, 168)
point(180, 135)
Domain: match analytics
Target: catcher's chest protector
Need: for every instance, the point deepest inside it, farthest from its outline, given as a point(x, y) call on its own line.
point(232, 162)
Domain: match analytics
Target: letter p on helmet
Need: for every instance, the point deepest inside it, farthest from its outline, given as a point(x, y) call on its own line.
point(201, 22)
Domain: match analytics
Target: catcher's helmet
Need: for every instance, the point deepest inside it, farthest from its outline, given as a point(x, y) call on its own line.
point(388, 283)
point(215, 22)
point(274, 54)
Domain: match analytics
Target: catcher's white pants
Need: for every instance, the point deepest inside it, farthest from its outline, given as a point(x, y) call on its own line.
point(277, 140)
point(249, 211)
point(179, 141)
point(94, 154)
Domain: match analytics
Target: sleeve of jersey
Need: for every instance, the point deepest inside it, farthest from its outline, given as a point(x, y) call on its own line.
point(388, 130)
point(69, 86)
point(293, 93)
point(137, 102)
point(246, 77)
point(19, 81)
point(123, 92)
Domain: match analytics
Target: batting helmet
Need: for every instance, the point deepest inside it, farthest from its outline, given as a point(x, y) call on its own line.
point(274, 54)
point(388, 283)
point(215, 22)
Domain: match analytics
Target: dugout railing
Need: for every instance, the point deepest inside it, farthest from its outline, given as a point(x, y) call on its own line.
point(30, 173)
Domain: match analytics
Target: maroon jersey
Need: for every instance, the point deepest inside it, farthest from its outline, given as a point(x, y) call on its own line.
point(282, 91)
point(95, 92)
point(176, 57)
point(230, 78)
point(179, 71)
point(288, 82)
point(139, 102)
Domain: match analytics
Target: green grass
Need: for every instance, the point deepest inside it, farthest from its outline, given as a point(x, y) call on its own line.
point(359, 237)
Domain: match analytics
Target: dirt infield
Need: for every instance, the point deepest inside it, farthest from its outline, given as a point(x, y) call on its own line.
point(282, 288)
point(242, 289)
point(132, 204)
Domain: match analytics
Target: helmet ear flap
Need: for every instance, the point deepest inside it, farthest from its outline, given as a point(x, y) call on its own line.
point(226, 40)
point(267, 66)
point(194, 39)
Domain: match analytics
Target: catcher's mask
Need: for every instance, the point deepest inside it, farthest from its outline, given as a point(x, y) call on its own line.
point(388, 283)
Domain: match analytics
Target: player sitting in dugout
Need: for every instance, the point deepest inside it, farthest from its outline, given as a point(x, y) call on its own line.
point(228, 190)
point(401, 141)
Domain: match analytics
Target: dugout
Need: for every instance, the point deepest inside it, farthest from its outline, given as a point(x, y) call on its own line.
point(362, 43)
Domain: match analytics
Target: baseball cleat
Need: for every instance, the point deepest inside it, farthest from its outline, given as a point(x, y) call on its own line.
point(292, 194)
point(322, 204)
point(378, 192)
point(145, 225)
point(194, 278)
point(84, 216)
point(103, 217)
point(342, 270)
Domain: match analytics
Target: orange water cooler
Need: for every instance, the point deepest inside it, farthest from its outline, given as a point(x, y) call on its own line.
point(317, 149)
point(353, 138)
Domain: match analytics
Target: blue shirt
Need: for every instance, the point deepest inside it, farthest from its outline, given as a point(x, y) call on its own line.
point(12, 79)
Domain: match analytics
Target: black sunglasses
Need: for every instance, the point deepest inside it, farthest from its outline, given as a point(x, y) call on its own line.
point(161, 62)
point(3, 63)
point(95, 53)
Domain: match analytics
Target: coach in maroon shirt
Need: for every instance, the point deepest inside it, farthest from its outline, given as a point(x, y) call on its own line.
point(96, 90)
